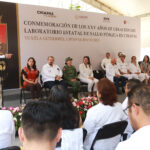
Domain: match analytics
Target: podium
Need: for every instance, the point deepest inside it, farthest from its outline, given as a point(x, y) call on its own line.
point(3, 74)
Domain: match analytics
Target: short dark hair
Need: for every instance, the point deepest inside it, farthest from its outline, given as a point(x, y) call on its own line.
point(107, 90)
point(132, 82)
point(140, 95)
point(41, 119)
point(70, 116)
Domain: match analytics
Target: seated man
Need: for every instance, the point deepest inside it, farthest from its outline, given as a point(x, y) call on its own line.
point(123, 68)
point(7, 129)
point(52, 74)
point(139, 115)
point(129, 85)
point(106, 61)
point(113, 74)
point(41, 126)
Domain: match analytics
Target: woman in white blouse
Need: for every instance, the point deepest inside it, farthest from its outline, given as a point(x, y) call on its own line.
point(86, 75)
point(108, 110)
point(7, 129)
point(135, 69)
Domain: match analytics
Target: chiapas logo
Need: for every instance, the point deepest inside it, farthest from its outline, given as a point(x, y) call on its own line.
point(46, 13)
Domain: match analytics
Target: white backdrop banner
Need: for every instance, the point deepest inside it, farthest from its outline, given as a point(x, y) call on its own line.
point(46, 31)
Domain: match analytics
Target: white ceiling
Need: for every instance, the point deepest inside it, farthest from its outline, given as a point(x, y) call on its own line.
point(129, 7)
point(132, 8)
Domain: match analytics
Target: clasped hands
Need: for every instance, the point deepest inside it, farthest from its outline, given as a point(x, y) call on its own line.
point(91, 78)
point(57, 77)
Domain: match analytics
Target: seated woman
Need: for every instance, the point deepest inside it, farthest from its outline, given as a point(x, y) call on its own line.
point(72, 134)
point(135, 69)
point(145, 65)
point(30, 78)
point(7, 129)
point(86, 75)
point(70, 75)
point(108, 110)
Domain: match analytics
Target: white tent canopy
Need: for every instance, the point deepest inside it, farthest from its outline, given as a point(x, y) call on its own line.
point(131, 8)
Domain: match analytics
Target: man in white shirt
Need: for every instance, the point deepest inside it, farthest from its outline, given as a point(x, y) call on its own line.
point(129, 85)
point(7, 129)
point(52, 74)
point(139, 115)
point(123, 68)
point(112, 73)
point(106, 61)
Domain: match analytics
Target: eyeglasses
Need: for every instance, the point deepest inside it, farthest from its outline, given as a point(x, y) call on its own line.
point(126, 109)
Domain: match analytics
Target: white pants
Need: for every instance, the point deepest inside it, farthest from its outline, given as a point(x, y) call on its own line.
point(143, 76)
point(90, 83)
point(131, 76)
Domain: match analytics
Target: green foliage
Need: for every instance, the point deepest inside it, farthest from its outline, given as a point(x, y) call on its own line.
point(74, 7)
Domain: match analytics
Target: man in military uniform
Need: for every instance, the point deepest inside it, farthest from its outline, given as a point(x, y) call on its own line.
point(70, 75)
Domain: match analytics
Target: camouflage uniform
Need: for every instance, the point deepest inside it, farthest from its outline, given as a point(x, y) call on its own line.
point(70, 73)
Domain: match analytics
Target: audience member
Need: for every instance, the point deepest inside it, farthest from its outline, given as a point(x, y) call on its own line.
point(72, 134)
point(129, 85)
point(139, 115)
point(70, 76)
point(41, 126)
point(112, 73)
point(135, 69)
point(145, 65)
point(70, 116)
point(108, 110)
point(7, 129)
point(52, 74)
point(106, 61)
point(86, 75)
point(123, 68)
point(30, 76)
